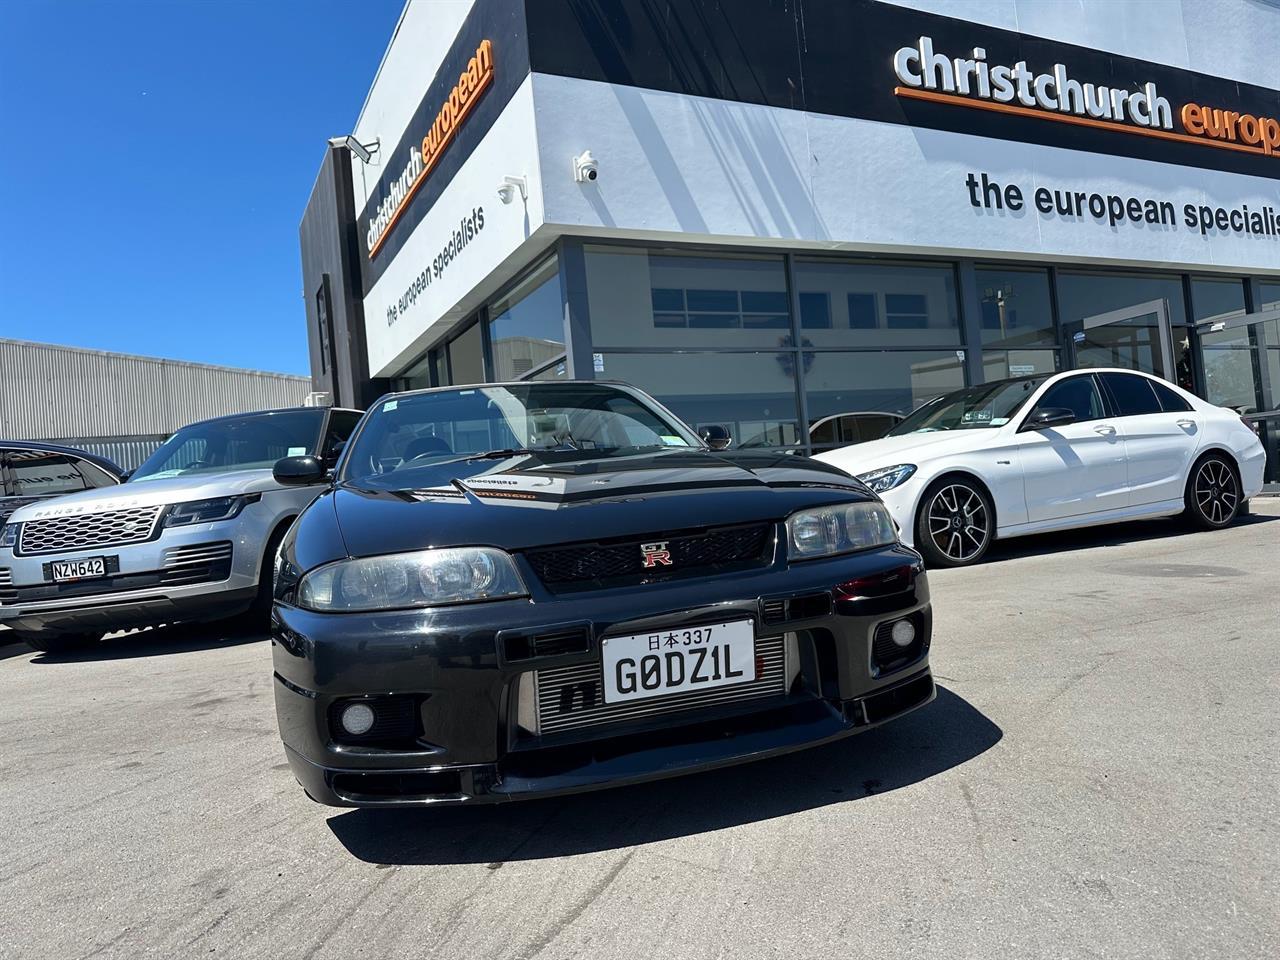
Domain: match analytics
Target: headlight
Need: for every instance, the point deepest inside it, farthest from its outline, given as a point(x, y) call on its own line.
point(825, 531)
point(9, 534)
point(886, 478)
point(421, 579)
point(207, 511)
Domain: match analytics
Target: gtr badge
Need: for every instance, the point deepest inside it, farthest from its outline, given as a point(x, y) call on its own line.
point(655, 554)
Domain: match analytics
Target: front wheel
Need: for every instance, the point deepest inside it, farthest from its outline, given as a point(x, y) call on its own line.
point(1213, 493)
point(60, 643)
point(955, 523)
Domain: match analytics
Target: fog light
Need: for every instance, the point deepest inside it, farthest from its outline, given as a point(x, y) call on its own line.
point(903, 633)
point(357, 719)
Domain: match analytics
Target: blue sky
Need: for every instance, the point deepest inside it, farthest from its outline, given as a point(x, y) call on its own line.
point(156, 161)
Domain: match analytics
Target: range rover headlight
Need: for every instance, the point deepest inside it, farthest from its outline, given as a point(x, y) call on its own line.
point(886, 478)
point(207, 511)
point(424, 578)
point(826, 531)
point(9, 534)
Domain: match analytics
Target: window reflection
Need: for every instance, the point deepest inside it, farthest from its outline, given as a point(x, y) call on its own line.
point(655, 298)
point(526, 327)
point(1016, 307)
point(752, 394)
point(859, 396)
point(1002, 364)
point(865, 304)
point(1115, 321)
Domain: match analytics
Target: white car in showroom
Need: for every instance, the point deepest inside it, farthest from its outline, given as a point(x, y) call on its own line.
point(1040, 453)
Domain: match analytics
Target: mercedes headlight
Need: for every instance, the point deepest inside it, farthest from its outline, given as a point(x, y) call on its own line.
point(207, 511)
point(886, 478)
point(424, 578)
point(825, 531)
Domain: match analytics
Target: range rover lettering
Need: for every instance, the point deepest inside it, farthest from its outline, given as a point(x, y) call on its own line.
point(517, 590)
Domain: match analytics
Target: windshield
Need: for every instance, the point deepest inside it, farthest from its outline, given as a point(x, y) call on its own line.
point(250, 442)
point(988, 405)
point(418, 431)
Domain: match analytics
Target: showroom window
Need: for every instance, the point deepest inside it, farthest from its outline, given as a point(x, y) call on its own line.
point(854, 396)
point(1002, 364)
point(657, 298)
point(1216, 299)
point(1114, 321)
point(1017, 309)
point(873, 304)
point(1270, 295)
point(526, 325)
point(753, 395)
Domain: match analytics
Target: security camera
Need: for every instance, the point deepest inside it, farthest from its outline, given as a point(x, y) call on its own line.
point(507, 189)
point(585, 167)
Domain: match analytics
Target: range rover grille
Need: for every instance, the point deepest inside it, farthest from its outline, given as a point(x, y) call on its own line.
point(572, 698)
point(112, 528)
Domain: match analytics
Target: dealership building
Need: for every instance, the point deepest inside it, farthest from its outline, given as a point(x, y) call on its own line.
point(800, 219)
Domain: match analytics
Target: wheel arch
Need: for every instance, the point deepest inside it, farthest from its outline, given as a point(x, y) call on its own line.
point(958, 473)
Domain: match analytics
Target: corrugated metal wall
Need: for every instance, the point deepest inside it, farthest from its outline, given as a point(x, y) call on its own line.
point(125, 452)
point(52, 391)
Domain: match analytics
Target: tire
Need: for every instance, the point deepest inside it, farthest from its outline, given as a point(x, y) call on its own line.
point(60, 643)
point(1213, 493)
point(955, 522)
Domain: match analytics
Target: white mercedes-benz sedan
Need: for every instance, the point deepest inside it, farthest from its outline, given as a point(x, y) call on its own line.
point(1040, 453)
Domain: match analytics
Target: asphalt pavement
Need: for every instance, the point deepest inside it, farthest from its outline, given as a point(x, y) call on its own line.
point(1099, 777)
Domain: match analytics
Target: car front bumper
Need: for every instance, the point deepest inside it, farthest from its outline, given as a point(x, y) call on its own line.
point(472, 742)
point(197, 572)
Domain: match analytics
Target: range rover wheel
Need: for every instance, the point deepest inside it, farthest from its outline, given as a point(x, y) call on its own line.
point(955, 523)
point(59, 643)
point(1213, 493)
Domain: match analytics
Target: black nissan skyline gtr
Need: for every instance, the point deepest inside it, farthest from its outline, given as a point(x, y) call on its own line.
point(529, 589)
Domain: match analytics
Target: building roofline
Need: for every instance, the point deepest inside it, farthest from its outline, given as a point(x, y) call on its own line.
point(140, 357)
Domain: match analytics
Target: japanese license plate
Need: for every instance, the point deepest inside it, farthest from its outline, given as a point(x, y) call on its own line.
point(665, 662)
point(85, 568)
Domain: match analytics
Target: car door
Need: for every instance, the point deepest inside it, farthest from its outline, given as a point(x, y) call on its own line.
point(1159, 443)
point(1076, 469)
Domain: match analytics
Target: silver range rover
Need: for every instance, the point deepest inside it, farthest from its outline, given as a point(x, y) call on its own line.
point(191, 535)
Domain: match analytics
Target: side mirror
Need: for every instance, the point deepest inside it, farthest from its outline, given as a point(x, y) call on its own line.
point(715, 436)
point(299, 471)
point(1048, 417)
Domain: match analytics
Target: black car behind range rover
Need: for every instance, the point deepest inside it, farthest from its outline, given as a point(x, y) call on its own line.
point(526, 589)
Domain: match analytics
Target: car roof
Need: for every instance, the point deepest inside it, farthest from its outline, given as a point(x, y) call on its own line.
point(507, 383)
point(109, 465)
point(258, 413)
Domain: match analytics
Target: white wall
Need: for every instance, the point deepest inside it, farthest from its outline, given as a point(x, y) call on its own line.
point(689, 168)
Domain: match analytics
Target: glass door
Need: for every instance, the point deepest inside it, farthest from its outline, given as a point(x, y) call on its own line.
point(1136, 337)
point(1237, 361)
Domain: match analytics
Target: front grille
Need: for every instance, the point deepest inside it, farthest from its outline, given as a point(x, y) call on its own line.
point(572, 698)
point(7, 592)
point(113, 528)
point(197, 564)
point(808, 607)
point(553, 643)
point(601, 564)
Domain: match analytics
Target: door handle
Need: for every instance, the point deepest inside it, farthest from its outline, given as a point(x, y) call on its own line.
point(1105, 430)
point(1186, 424)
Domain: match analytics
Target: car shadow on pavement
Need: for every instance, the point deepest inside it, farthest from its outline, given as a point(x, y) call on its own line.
point(156, 642)
point(1109, 535)
point(945, 734)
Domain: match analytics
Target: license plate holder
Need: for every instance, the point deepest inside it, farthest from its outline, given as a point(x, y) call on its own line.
point(684, 659)
point(83, 568)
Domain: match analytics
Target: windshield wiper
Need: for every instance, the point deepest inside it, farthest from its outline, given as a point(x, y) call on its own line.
point(492, 455)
